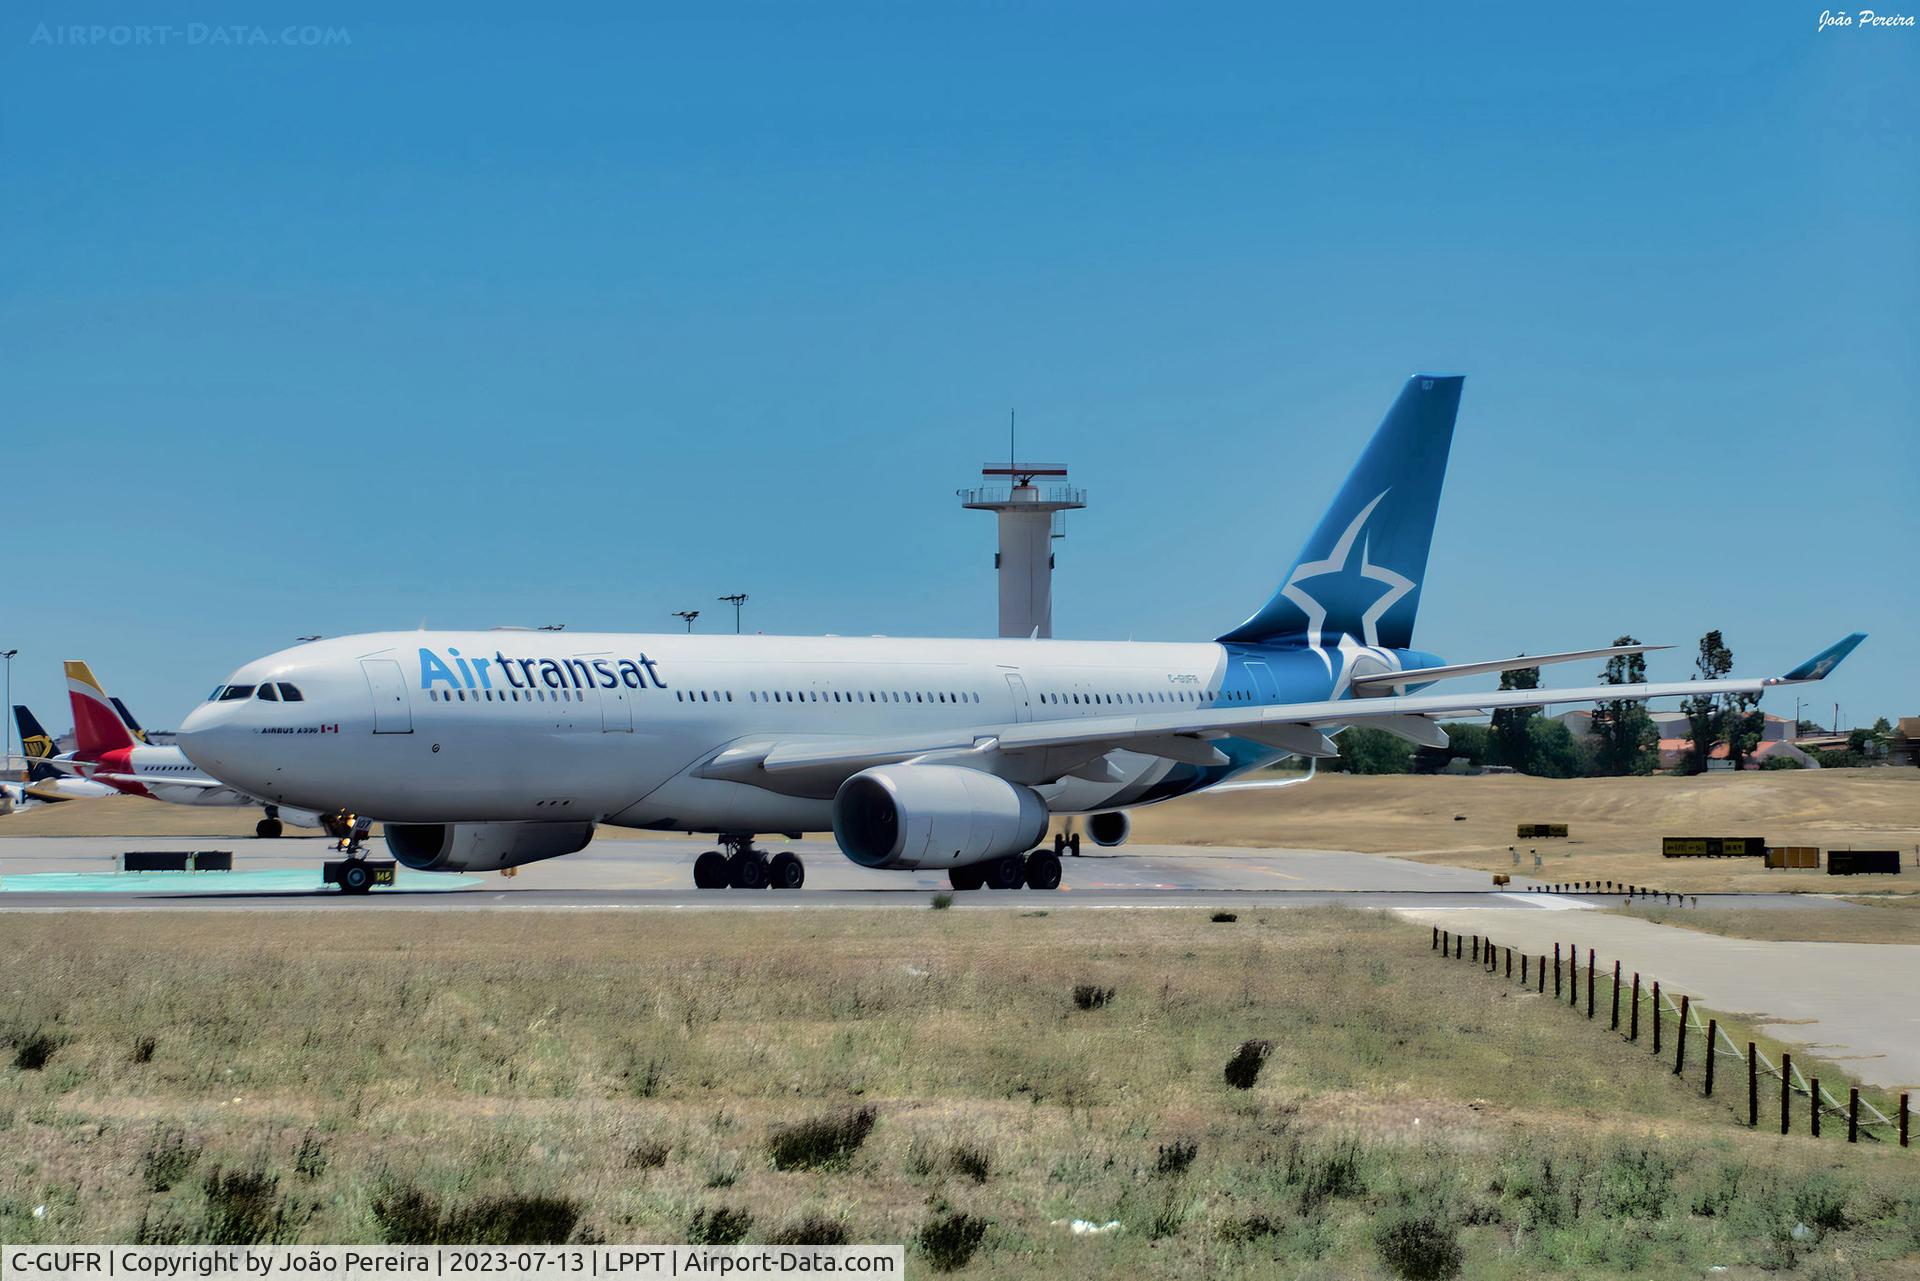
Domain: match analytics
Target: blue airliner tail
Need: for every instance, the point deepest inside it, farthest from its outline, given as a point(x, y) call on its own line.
point(1359, 574)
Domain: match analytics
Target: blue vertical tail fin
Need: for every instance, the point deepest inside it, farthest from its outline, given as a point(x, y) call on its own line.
point(1359, 574)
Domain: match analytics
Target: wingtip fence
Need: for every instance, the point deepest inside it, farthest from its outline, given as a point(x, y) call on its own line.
point(1698, 1045)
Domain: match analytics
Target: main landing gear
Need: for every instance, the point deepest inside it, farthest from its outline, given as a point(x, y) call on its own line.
point(743, 867)
point(1039, 870)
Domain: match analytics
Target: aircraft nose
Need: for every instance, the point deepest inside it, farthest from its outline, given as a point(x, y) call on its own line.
point(207, 736)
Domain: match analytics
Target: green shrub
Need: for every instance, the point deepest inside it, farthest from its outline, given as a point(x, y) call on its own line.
point(1224, 918)
point(949, 1240)
point(408, 1216)
point(812, 1229)
point(1635, 1183)
point(310, 1158)
point(168, 1158)
point(648, 1154)
point(719, 1225)
point(143, 1048)
point(32, 1050)
point(1243, 1069)
point(1322, 1174)
point(1821, 1202)
point(970, 1161)
point(827, 1140)
point(941, 901)
point(242, 1208)
point(1175, 1157)
point(1091, 996)
point(1418, 1247)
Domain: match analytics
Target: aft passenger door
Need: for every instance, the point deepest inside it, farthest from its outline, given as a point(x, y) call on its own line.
point(392, 710)
point(1263, 683)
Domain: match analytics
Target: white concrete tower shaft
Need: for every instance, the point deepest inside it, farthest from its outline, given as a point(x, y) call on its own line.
point(1029, 522)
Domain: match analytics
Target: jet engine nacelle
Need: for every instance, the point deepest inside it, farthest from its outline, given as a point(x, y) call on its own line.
point(482, 847)
point(1112, 827)
point(936, 816)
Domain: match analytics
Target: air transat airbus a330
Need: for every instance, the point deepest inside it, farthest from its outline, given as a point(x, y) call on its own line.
point(484, 750)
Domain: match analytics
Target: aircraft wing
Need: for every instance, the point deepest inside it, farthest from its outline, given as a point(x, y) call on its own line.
point(148, 780)
point(1187, 735)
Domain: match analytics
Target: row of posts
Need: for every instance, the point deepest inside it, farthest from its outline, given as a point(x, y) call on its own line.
point(1621, 887)
point(1488, 956)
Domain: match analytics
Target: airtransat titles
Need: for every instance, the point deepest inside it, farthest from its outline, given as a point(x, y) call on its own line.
point(587, 671)
point(916, 753)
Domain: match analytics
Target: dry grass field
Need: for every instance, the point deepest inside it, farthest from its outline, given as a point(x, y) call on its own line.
point(1616, 823)
point(1897, 921)
point(965, 1082)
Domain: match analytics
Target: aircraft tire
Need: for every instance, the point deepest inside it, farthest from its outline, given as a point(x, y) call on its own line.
point(710, 871)
point(1009, 873)
point(356, 878)
point(747, 870)
point(1043, 870)
point(966, 878)
point(267, 828)
point(785, 871)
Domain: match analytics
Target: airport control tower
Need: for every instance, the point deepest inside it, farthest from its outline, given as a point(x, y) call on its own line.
point(1031, 517)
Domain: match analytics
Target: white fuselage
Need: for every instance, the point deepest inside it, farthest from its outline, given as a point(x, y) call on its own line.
point(512, 725)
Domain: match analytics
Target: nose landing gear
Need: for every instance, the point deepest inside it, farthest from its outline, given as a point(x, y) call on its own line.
point(743, 867)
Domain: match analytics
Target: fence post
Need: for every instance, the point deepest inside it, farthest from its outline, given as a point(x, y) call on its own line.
point(1853, 1114)
point(1523, 969)
point(1903, 1120)
point(1436, 940)
point(1713, 1051)
point(1541, 973)
point(1476, 947)
point(1589, 983)
point(1615, 1025)
point(1753, 1087)
point(1786, 1090)
point(1634, 1033)
point(1573, 975)
point(1509, 962)
point(1656, 1018)
point(1556, 971)
point(1446, 943)
point(1813, 1087)
point(1459, 941)
point(1680, 1040)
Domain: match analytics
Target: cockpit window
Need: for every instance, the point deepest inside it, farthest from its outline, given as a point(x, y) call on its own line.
point(290, 693)
point(218, 690)
point(233, 692)
point(266, 693)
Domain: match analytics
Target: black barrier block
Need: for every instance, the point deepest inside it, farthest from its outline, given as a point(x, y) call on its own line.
point(154, 861)
point(213, 860)
point(1863, 862)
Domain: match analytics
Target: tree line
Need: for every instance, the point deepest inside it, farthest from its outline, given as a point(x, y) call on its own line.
point(1624, 739)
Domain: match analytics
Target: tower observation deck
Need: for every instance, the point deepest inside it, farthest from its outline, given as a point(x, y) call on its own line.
point(1032, 514)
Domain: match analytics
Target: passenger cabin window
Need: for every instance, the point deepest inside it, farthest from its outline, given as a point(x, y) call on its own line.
point(234, 692)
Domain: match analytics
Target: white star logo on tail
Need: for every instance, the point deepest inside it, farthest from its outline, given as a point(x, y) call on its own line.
point(1398, 585)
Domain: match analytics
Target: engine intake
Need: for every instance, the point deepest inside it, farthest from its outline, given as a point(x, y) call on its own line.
point(482, 847)
point(1111, 827)
point(909, 816)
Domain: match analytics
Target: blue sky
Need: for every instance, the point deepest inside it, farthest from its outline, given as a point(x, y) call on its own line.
point(487, 318)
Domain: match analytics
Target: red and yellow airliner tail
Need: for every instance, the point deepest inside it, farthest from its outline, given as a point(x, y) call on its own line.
point(97, 724)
